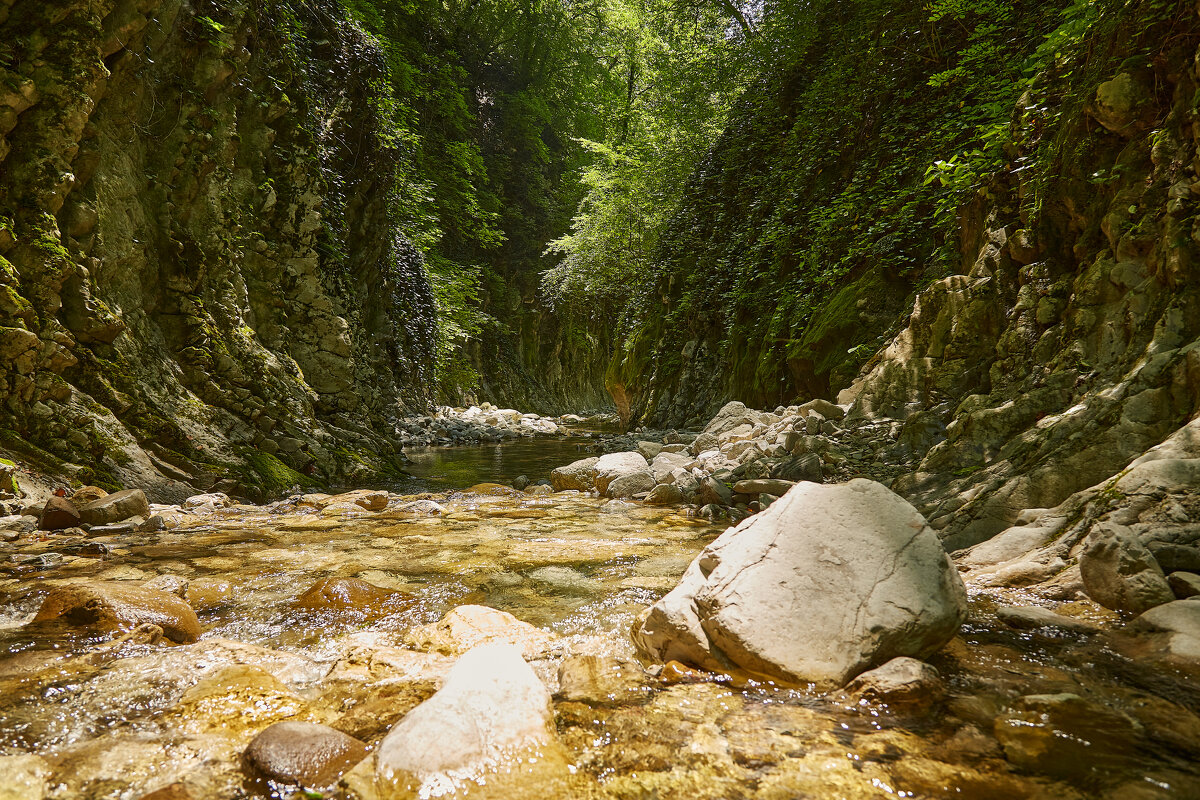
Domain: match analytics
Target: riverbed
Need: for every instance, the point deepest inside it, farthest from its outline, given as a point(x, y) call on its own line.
point(120, 719)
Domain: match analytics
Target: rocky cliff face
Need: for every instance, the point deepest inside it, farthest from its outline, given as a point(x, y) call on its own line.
point(199, 277)
point(1066, 341)
point(534, 358)
point(1070, 343)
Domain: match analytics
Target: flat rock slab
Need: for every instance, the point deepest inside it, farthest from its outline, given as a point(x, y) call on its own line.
point(116, 507)
point(1032, 617)
point(758, 486)
point(826, 583)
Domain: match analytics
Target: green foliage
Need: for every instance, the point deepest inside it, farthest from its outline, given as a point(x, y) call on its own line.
point(456, 290)
point(681, 76)
point(845, 163)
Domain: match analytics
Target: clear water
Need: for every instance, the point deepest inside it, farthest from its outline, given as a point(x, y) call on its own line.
point(114, 720)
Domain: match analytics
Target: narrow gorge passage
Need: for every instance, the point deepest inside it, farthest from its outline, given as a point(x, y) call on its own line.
point(622, 399)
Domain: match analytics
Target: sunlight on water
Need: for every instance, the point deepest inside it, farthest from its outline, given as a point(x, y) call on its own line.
point(110, 713)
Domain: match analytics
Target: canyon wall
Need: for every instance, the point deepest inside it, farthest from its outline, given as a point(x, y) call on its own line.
point(199, 277)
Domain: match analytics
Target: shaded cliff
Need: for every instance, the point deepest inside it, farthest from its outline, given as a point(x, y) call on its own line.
point(199, 274)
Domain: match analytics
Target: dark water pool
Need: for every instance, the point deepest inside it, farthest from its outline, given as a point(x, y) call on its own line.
point(439, 469)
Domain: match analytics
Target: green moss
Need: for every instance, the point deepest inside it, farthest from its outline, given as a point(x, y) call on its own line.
point(10, 440)
point(272, 474)
point(100, 474)
point(4, 462)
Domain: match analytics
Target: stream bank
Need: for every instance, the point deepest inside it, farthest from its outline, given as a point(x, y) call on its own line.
point(351, 611)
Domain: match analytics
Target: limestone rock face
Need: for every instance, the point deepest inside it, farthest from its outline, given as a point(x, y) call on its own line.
point(824, 584)
point(491, 715)
point(95, 362)
point(115, 606)
point(1120, 573)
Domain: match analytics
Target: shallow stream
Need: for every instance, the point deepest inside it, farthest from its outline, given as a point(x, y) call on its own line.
point(119, 719)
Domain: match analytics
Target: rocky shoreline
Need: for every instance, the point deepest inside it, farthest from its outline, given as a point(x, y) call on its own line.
point(838, 592)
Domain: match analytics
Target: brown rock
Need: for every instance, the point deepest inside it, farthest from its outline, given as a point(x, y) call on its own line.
point(493, 490)
point(901, 681)
point(352, 594)
point(173, 791)
point(115, 606)
point(88, 494)
point(1184, 584)
point(303, 753)
point(116, 507)
point(601, 680)
point(58, 514)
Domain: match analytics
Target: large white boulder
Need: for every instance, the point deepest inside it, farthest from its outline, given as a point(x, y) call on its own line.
point(491, 717)
point(731, 415)
point(618, 465)
point(578, 475)
point(827, 582)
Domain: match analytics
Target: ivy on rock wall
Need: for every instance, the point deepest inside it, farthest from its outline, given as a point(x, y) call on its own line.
point(804, 230)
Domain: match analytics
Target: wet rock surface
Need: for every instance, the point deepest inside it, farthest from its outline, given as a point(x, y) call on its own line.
point(561, 578)
point(489, 723)
point(113, 607)
point(303, 753)
point(353, 595)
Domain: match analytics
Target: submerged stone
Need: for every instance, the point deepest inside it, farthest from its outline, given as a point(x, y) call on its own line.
point(353, 595)
point(303, 753)
point(115, 606)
